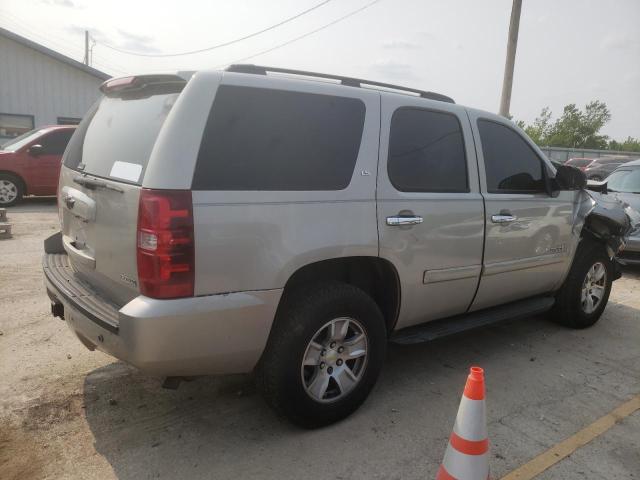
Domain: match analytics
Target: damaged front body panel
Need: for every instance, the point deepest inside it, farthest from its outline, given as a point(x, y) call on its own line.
point(605, 219)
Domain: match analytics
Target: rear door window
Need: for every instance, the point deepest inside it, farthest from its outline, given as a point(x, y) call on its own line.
point(426, 152)
point(116, 139)
point(510, 164)
point(263, 139)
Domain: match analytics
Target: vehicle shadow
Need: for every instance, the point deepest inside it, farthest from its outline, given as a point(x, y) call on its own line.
point(218, 427)
point(34, 204)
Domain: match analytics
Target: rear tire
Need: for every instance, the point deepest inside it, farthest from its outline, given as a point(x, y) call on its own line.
point(324, 354)
point(11, 190)
point(585, 292)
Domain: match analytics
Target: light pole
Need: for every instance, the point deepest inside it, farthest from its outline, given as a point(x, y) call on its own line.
point(512, 43)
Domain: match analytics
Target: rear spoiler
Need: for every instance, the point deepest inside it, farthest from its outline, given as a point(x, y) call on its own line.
point(132, 85)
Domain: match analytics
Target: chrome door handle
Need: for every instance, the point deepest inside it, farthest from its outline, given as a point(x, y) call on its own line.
point(502, 218)
point(404, 220)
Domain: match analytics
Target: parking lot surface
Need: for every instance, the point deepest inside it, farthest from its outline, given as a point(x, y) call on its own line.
point(66, 412)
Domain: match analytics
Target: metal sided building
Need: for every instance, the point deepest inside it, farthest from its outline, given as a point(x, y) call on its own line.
point(39, 86)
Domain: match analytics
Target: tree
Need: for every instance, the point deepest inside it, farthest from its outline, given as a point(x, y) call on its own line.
point(539, 130)
point(574, 129)
point(629, 145)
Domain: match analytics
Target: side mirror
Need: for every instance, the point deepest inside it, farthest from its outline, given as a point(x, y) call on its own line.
point(570, 178)
point(597, 186)
point(36, 150)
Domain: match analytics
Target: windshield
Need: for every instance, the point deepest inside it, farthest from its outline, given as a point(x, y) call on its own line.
point(19, 142)
point(624, 181)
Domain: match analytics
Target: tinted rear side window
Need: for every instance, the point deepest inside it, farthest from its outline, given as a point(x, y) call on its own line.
point(426, 152)
point(261, 139)
point(510, 163)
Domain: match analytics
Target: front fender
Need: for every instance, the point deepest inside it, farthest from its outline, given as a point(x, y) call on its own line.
point(605, 219)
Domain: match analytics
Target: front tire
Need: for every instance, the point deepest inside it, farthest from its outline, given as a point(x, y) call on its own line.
point(11, 190)
point(324, 354)
point(585, 293)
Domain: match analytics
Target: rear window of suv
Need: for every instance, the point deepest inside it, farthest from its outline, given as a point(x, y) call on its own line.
point(117, 135)
point(263, 139)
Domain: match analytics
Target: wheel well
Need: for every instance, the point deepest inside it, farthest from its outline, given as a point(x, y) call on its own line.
point(377, 277)
point(23, 184)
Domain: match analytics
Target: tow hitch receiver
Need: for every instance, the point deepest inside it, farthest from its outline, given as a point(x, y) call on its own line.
point(57, 310)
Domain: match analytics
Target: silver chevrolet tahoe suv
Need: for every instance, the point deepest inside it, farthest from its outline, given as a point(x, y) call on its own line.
point(292, 223)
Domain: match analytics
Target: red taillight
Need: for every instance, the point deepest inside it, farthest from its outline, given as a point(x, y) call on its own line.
point(165, 243)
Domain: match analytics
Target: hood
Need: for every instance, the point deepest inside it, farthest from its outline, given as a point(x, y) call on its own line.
point(4, 154)
point(631, 199)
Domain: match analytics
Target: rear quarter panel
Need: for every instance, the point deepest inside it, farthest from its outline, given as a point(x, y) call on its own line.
point(255, 240)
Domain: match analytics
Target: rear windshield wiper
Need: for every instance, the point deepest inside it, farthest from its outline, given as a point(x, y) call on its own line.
point(92, 184)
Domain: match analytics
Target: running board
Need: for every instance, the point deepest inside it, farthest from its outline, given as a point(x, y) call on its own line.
point(460, 323)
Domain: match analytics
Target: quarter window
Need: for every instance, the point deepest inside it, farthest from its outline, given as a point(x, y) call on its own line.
point(262, 139)
point(426, 152)
point(511, 165)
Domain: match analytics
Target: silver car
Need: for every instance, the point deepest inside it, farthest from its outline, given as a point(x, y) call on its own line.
point(624, 185)
point(292, 223)
point(602, 167)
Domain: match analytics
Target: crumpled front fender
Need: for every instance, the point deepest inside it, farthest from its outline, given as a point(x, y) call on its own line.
point(605, 219)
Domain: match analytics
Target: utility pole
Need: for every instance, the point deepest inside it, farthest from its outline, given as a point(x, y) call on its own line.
point(512, 43)
point(86, 47)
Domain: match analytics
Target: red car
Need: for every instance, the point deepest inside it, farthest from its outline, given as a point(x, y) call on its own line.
point(580, 162)
point(30, 163)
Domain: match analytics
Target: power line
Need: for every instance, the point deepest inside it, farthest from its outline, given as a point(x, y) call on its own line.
point(327, 25)
point(230, 42)
point(60, 45)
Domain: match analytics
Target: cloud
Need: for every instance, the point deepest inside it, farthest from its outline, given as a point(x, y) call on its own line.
point(95, 33)
point(124, 40)
point(137, 42)
point(620, 42)
point(134, 37)
point(61, 3)
point(400, 44)
point(392, 69)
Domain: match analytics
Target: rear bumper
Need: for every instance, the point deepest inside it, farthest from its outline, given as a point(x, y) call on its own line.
point(214, 334)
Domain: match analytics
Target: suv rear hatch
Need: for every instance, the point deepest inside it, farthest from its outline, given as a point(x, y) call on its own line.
point(100, 182)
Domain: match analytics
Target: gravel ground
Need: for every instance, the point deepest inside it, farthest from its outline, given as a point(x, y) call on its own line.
point(66, 412)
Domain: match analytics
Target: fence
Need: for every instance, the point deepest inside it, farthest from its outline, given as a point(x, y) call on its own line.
point(560, 154)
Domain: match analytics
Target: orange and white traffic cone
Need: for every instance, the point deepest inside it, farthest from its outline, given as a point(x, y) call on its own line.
point(467, 455)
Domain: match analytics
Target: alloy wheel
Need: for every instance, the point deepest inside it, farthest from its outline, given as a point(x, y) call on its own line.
point(593, 287)
point(334, 360)
point(8, 191)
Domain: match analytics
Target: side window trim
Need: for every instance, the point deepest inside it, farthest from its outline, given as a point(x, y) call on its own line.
point(543, 169)
point(464, 152)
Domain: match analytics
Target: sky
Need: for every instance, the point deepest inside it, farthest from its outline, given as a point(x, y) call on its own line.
point(569, 51)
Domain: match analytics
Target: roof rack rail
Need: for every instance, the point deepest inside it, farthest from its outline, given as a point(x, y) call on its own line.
point(347, 81)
